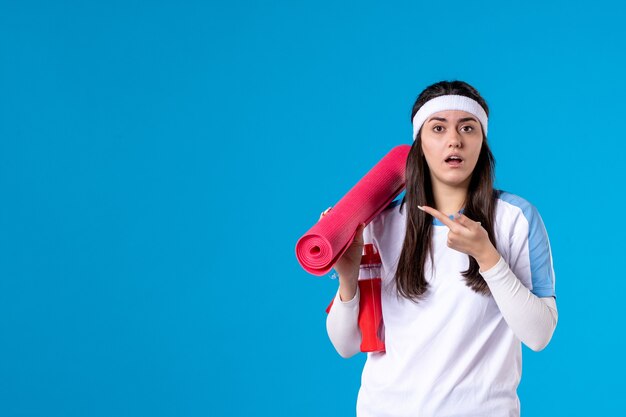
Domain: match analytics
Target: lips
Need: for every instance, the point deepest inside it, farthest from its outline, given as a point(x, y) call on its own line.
point(454, 160)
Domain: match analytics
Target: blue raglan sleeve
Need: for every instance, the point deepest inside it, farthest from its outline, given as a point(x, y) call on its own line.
point(531, 255)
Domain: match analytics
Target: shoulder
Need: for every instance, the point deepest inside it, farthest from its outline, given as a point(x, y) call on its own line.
point(512, 206)
point(390, 218)
point(518, 214)
point(394, 210)
point(514, 200)
point(395, 204)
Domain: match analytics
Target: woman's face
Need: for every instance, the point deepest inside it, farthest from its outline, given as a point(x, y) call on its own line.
point(451, 132)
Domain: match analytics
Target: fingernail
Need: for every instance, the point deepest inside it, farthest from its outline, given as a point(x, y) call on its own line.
point(420, 207)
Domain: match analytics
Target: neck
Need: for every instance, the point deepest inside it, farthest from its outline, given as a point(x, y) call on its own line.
point(449, 199)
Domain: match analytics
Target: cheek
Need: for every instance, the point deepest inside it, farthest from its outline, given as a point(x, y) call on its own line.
point(475, 154)
point(477, 150)
point(429, 149)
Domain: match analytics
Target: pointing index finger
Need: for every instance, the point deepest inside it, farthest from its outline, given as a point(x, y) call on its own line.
point(439, 215)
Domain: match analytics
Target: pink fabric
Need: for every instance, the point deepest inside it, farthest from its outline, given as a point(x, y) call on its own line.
point(319, 248)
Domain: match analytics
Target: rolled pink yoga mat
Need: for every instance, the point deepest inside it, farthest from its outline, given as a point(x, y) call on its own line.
point(320, 248)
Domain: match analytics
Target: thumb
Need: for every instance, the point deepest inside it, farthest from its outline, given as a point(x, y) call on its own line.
point(359, 233)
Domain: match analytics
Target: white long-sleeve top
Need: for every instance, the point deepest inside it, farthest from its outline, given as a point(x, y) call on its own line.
point(455, 352)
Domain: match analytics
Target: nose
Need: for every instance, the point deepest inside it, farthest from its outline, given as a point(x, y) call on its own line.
point(455, 139)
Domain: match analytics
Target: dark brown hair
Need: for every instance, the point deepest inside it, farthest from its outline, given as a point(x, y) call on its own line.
point(479, 205)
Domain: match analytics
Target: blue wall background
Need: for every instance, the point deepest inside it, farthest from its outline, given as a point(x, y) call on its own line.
point(159, 161)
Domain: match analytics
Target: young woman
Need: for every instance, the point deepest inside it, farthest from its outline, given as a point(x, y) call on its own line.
point(467, 275)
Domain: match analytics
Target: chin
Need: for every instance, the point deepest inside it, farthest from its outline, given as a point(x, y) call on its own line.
point(456, 181)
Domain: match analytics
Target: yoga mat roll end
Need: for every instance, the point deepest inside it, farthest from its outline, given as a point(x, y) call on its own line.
point(319, 249)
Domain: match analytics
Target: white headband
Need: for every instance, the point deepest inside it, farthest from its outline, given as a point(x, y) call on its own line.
point(448, 102)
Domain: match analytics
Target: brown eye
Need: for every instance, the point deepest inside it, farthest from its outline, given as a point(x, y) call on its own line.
point(435, 128)
point(471, 128)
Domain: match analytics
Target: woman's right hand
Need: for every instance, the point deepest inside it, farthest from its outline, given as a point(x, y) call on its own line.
point(347, 266)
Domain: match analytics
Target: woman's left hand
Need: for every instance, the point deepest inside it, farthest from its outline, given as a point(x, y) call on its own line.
point(467, 236)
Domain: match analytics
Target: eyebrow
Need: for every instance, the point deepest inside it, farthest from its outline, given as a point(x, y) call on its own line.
point(443, 119)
